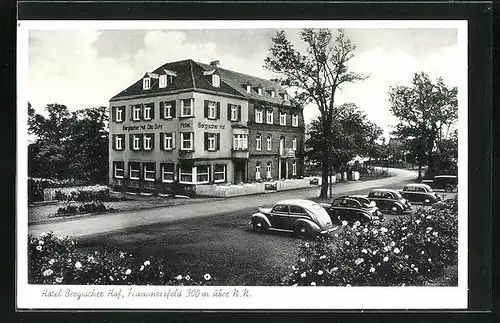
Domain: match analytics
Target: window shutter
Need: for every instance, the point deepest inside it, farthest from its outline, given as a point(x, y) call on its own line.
point(123, 113)
point(131, 112)
point(141, 141)
point(113, 114)
point(162, 141)
point(218, 110)
point(225, 173)
point(174, 109)
point(131, 142)
point(206, 109)
point(152, 141)
point(113, 144)
point(141, 112)
point(173, 140)
point(153, 111)
point(238, 117)
point(217, 138)
point(229, 111)
point(205, 141)
point(162, 110)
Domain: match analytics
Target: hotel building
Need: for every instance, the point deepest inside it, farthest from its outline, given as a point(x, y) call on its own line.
point(187, 124)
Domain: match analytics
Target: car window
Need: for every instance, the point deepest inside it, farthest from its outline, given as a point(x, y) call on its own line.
point(398, 196)
point(296, 209)
point(352, 203)
point(421, 189)
point(409, 188)
point(337, 202)
point(388, 196)
point(280, 208)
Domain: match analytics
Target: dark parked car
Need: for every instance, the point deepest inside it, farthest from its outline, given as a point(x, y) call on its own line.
point(352, 209)
point(420, 193)
point(445, 182)
point(389, 200)
point(305, 218)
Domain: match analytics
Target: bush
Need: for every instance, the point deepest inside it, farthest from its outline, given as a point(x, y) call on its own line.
point(55, 260)
point(408, 251)
point(92, 207)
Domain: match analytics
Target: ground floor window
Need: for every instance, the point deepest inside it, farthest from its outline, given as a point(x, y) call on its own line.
point(149, 171)
point(186, 175)
point(220, 173)
point(294, 168)
point(268, 169)
point(167, 172)
point(119, 169)
point(257, 170)
point(202, 176)
point(134, 170)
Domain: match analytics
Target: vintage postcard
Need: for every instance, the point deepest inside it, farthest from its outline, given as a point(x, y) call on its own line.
point(242, 165)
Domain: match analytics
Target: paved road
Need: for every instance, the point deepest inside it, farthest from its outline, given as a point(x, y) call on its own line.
point(105, 223)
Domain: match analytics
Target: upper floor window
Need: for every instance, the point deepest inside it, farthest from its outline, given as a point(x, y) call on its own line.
point(294, 143)
point(269, 142)
point(283, 118)
point(149, 171)
point(167, 109)
point(273, 93)
point(163, 81)
point(233, 112)
point(187, 108)
point(215, 80)
point(212, 110)
point(148, 111)
point(187, 139)
point(146, 83)
point(249, 89)
point(240, 142)
point(118, 114)
point(295, 120)
point(148, 141)
point(136, 112)
point(258, 142)
point(259, 91)
point(212, 141)
point(119, 169)
point(258, 116)
point(169, 141)
point(119, 142)
point(135, 142)
point(269, 116)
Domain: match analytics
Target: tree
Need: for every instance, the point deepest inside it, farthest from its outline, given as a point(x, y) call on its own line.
point(426, 111)
point(351, 134)
point(316, 75)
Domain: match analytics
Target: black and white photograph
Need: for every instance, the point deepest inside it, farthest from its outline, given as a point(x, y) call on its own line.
point(229, 164)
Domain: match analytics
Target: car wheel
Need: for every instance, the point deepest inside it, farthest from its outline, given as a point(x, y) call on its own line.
point(302, 231)
point(427, 202)
point(258, 225)
point(395, 210)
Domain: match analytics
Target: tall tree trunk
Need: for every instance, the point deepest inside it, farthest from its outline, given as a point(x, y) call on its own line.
point(324, 178)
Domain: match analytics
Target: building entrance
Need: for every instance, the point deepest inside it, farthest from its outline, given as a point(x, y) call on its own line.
point(239, 171)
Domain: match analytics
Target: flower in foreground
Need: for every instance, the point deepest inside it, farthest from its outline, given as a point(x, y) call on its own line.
point(78, 265)
point(147, 263)
point(365, 230)
point(417, 221)
point(142, 268)
point(348, 285)
point(39, 248)
point(396, 250)
point(302, 259)
point(359, 261)
point(364, 251)
point(187, 277)
point(179, 277)
point(347, 243)
point(303, 275)
point(59, 280)
point(392, 244)
point(372, 270)
point(430, 260)
point(344, 223)
point(207, 276)
point(313, 284)
point(128, 272)
point(385, 259)
point(374, 252)
point(406, 257)
point(322, 257)
point(335, 268)
point(320, 272)
point(52, 261)
point(47, 272)
point(306, 245)
point(383, 229)
point(111, 278)
point(41, 242)
point(43, 235)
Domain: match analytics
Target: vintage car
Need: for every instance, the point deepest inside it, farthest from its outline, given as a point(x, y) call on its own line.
point(443, 182)
point(420, 193)
point(353, 208)
point(307, 219)
point(389, 200)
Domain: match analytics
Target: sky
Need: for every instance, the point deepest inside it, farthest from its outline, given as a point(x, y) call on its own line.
point(85, 68)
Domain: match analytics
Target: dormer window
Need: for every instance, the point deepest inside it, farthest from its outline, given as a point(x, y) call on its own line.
point(163, 81)
point(285, 96)
point(273, 93)
point(215, 80)
point(146, 83)
point(259, 91)
point(249, 88)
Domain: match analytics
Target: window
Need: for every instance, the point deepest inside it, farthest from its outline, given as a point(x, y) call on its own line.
point(273, 93)
point(257, 170)
point(136, 112)
point(268, 169)
point(135, 142)
point(163, 81)
point(148, 141)
point(119, 114)
point(295, 120)
point(258, 142)
point(187, 140)
point(146, 83)
point(215, 80)
point(280, 208)
point(149, 171)
point(296, 210)
point(134, 171)
point(212, 109)
point(285, 96)
point(249, 89)
point(240, 142)
point(283, 118)
point(167, 109)
point(294, 168)
point(186, 174)
point(233, 112)
point(294, 143)
point(148, 111)
point(258, 116)
point(167, 172)
point(269, 142)
point(269, 116)
point(211, 141)
point(118, 169)
point(168, 141)
point(202, 174)
point(219, 173)
point(187, 108)
point(259, 91)
point(119, 142)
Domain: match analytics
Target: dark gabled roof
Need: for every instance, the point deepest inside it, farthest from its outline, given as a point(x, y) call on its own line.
point(238, 81)
point(189, 76)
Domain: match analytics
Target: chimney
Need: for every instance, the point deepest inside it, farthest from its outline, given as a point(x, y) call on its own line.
point(215, 64)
